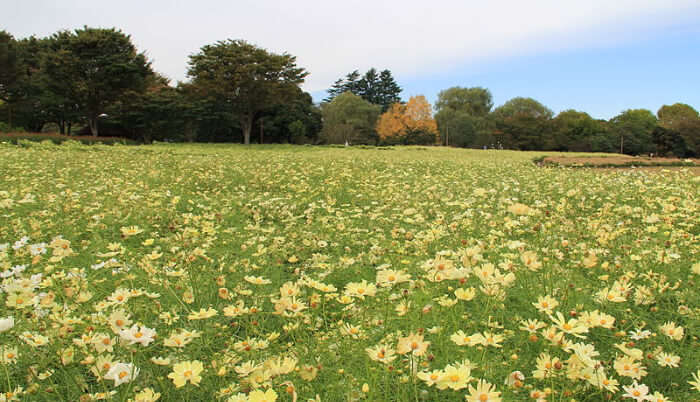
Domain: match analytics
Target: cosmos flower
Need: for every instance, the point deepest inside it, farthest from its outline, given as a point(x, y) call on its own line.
point(122, 373)
point(187, 371)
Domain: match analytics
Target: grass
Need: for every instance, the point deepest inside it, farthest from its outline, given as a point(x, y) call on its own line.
point(161, 232)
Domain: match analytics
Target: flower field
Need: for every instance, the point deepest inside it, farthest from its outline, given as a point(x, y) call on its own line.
point(218, 272)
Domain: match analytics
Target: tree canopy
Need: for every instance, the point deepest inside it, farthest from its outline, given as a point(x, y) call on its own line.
point(349, 119)
point(94, 67)
point(377, 88)
point(249, 78)
point(411, 123)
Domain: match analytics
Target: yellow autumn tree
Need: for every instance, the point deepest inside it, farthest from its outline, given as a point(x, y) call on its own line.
point(409, 124)
point(392, 125)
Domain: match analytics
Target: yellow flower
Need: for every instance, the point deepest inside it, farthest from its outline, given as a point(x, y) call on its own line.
point(130, 230)
point(454, 377)
point(484, 392)
point(519, 209)
point(465, 294)
point(146, 395)
point(202, 314)
point(381, 353)
point(186, 371)
point(673, 331)
point(412, 343)
point(545, 304)
point(258, 396)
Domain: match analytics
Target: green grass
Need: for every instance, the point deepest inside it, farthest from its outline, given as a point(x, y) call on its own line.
point(335, 215)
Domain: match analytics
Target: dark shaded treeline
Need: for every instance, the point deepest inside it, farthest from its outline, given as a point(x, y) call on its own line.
point(93, 81)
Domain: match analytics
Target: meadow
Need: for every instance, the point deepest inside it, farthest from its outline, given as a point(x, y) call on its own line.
point(232, 273)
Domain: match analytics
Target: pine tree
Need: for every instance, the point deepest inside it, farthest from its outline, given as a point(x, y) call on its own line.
point(389, 90)
point(379, 89)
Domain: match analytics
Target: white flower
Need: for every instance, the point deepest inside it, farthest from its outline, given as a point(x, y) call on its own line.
point(7, 323)
point(133, 335)
point(638, 334)
point(37, 249)
point(638, 392)
point(20, 243)
point(121, 373)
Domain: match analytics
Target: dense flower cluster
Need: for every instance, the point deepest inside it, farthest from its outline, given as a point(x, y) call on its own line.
point(224, 273)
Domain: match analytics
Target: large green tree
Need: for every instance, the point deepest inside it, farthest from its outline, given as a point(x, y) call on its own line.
point(297, 121)
point(94, 67)
point(461, 113)
point(577, 131)
point(248, 78)
point(632, 131)
point(476, 101)
point(8, 64)
point(684, 120)
point(349, 119)
point(522, 123)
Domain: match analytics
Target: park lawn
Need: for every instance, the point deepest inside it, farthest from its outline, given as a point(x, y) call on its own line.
point(224, 272)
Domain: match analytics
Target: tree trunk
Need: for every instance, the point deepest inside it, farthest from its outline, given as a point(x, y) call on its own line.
point(68, 130)
point(92, 122)
point(62, 127)
point(247, 126)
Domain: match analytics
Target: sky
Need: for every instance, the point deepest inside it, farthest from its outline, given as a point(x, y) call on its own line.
point(596, 56)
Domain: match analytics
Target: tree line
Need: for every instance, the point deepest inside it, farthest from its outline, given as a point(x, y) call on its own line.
point(93, 81)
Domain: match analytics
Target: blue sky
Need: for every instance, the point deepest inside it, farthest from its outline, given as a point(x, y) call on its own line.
point(657, 68)
point(598, 56)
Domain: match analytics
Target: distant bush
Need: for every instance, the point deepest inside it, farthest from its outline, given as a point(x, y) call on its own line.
point(26, 138)
point(6, 128)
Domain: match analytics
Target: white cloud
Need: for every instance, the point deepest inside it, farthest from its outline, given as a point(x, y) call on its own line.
point(331, 38)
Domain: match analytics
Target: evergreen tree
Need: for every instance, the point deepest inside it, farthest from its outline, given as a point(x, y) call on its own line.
point(376, 88)
point(389, 91)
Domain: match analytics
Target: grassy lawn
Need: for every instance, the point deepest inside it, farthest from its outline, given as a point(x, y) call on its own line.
point(222, 272)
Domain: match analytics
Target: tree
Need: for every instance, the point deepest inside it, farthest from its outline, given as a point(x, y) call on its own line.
point(389, 91)
point(297, 121)
point(379, 89)
point(8, 64)
point(474, 101)
point(577, 131)
point(522, 123)
point(684, 120)
point(632, 131)
point(409, 124)
point(672, 116)
point(461, 113)
point(94, 67)
point(247, 77)
point(458, 129)
point(349, 119)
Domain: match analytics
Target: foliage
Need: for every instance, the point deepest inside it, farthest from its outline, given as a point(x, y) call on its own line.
point(409, 124)
point(94, 67)
point(16, 138)
point(684, 120)
point(297, 121)
point(633, 129)
point(248, 78)
point(476, 101)
point(379, 89)
point(522, 123)
point(349, 119)
point(578, 132)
